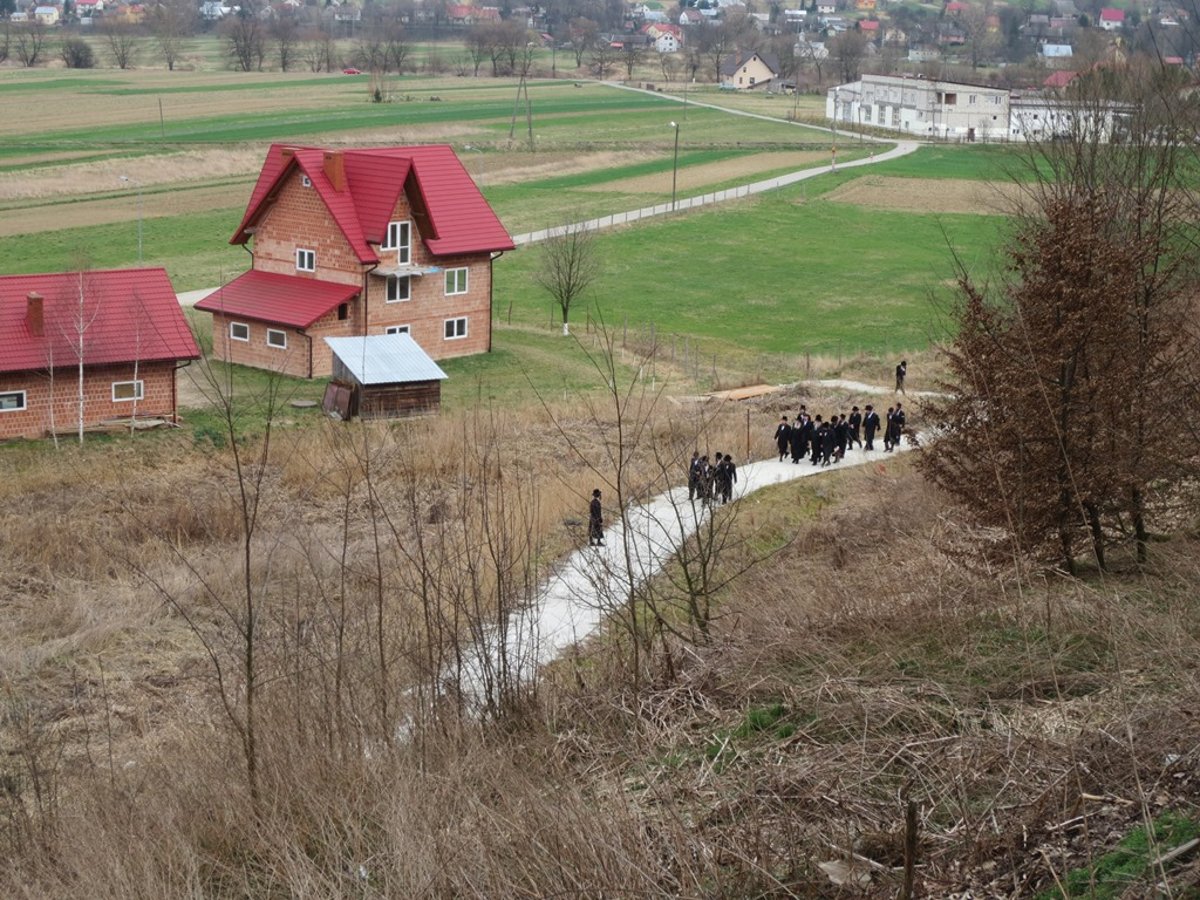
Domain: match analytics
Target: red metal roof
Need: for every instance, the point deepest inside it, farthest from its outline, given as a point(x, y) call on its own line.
point(124, 315)
point(460, 219)
point(1108, 14)
point(279, 299)
point(1058, 79)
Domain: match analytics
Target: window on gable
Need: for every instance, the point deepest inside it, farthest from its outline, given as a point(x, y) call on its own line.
point(456, 281)
point(456, 328)
point(305, 181)
point(12, 401)
point(127, 390)
point(306, 260)
point(398, 288)
point(399, 238)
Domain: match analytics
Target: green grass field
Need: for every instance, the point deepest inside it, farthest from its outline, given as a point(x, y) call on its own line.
point(773, 275)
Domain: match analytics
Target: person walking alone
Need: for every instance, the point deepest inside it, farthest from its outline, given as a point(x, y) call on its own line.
point(595, 521)
point(782, 434)
point(901, 374)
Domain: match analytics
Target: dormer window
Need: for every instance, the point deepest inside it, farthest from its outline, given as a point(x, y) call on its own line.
point(398, 237)
point(306, 260)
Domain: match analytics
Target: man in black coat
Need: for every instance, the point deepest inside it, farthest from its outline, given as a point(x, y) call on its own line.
point(694, 475)
point(841, 436)
point(595, 521)
point(887, 430)
point(782, 433)
point(870, 426)
point(828, 442)
point(897, 425)
point(797, 438)
point(817, 434)
point(901, 374)
point(855, 422)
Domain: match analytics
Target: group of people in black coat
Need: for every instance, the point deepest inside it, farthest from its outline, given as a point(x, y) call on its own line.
point(826, 442)
point(711, 481)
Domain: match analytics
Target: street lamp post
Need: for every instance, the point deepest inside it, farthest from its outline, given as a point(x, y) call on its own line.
point(674, 165)
point(138, 184)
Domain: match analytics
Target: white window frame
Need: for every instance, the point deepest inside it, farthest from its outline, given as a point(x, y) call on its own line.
point(453, 325)
point(305, 181)
point(24, 401)
point(453, 274)
point(304, 255)
point(398, 329)
point(394, 280)
point(276, 331)
point(139, 391)
point(398, 237)
point(233, 336)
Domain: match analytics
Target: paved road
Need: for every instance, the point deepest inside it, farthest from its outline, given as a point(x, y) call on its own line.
point(902, 148)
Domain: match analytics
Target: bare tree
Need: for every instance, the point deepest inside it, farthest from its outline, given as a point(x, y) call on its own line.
point(285, 33)
point(632, 56)
point(319, 50)
point(77, 53)
point(848, 50)
point(29, 42)
point(569, 266)
point(582, 35)
point(245, 40)
point(171, 23)
point(478, 43)
point(122, 41)
point(602, 58)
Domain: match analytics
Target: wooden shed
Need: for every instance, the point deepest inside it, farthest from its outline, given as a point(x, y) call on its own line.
point(382, 376)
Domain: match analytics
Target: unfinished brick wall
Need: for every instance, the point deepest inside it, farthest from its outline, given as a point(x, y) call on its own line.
point(60, 395)
point(298, 218)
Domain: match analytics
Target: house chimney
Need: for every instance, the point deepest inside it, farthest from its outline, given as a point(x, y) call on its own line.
point(33, 313)
point(335, 169)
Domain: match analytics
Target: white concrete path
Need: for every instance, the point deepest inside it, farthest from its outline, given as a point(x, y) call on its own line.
point(902, 148)
point(595, 582)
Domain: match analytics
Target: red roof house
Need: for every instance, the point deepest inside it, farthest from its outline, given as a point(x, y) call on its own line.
point(125, 327)
point(1059, 79)
point(1111, 19)
point(355, 242)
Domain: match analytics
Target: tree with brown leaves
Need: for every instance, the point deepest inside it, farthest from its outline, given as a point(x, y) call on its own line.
point(1075, 369)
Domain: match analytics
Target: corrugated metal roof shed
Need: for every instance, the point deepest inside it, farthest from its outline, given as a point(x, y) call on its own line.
point(385, 359)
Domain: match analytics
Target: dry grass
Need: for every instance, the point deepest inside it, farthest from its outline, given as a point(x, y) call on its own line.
point(929, 195)
point(864, 659)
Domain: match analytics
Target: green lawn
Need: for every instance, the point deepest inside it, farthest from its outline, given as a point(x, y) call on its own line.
point(773, 275)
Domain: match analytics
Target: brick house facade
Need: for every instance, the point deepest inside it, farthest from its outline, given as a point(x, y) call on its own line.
point(358, 242)
point(125, 324)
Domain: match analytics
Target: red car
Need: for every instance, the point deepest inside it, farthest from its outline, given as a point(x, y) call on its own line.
point(350, 70)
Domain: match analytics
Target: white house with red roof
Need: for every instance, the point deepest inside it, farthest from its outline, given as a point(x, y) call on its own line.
point(1112, 19)
point(390, 240)
point(123, 327)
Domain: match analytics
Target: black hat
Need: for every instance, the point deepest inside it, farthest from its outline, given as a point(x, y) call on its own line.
point(596, 492)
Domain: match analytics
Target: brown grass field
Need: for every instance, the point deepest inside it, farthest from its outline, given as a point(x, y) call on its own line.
point(928, 195)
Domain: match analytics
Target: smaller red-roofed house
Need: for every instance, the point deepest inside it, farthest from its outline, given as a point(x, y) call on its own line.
point(1059, 79)
point(869, 27)
point(955, 7)
point(125, 327)
point(1112, 19)
point(389, 240)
